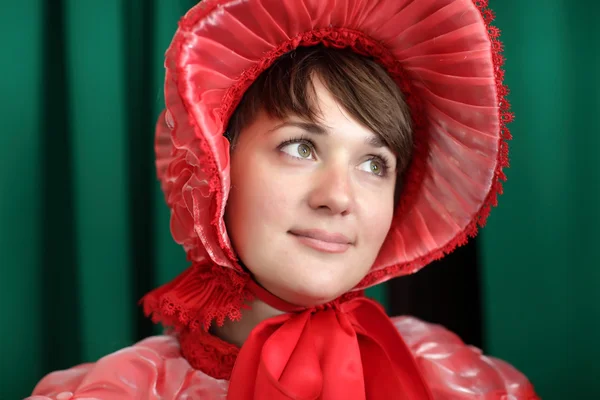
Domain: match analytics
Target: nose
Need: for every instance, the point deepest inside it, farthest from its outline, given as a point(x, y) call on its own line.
point(332, 190)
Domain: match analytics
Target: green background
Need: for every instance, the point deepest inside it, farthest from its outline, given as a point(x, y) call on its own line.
point(77, 109)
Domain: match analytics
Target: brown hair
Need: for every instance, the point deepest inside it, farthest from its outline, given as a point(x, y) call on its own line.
point(360, 85)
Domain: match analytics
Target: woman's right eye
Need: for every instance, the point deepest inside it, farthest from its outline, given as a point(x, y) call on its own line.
point(299, 150)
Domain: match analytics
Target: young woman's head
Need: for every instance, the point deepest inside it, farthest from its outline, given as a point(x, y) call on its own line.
point(318, 144)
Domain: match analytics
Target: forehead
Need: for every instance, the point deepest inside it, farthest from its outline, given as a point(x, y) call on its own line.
point(332, 118)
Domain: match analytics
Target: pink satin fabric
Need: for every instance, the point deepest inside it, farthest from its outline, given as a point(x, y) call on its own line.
point(154, 369)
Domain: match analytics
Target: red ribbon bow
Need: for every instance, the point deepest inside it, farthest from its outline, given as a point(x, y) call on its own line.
point(350, 351)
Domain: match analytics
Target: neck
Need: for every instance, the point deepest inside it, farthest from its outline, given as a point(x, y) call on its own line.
point(236, 332)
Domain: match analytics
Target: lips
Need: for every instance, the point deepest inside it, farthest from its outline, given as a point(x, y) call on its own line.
point(322, 240)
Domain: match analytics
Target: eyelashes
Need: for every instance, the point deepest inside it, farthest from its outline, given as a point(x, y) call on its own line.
point(304, 148)
point(308, 147)
point(384, 166)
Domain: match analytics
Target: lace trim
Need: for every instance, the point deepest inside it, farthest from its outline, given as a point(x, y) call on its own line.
point(208, 353)
point(201, 295)
point(216, 357)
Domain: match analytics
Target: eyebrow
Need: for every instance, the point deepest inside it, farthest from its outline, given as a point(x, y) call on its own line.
point(311, 127)
point(375, 141)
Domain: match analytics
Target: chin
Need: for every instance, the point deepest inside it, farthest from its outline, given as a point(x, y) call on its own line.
point(298, 284)
point(313, 293)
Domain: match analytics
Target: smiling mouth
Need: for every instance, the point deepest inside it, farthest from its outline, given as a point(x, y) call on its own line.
point(322, 241)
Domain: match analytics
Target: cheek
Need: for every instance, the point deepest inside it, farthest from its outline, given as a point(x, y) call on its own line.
point(258, 206)
point(266, 196)
point(378, 219)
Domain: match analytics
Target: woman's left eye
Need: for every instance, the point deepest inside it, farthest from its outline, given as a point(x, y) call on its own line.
point(374, 166)
point(299, 150)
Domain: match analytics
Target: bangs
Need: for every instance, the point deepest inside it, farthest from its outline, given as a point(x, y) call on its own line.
point(360, 86)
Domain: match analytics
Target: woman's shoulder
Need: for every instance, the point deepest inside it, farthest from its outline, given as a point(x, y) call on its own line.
point(150, 369)
point(454, 370)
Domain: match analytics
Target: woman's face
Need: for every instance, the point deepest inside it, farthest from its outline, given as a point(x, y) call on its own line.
point(310, 204)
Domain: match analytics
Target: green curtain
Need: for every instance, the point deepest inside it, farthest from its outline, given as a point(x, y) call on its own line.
point(84, 229)
point(81, 215)
point(541, 265)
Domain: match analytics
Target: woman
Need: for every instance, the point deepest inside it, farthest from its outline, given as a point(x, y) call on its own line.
point(311, 149)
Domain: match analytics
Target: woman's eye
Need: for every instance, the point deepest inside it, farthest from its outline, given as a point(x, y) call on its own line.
point(374, 166)
point(299, 150)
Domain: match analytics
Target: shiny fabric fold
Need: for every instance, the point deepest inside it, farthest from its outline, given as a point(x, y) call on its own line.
point(155, 369)
point(350, 351)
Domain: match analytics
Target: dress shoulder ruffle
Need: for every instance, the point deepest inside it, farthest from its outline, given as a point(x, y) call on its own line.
point(456, 371)
point(154, 369)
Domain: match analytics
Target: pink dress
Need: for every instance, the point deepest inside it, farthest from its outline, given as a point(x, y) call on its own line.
point(155, 369)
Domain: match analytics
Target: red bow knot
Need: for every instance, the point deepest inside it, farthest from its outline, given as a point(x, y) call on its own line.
point(350, 351)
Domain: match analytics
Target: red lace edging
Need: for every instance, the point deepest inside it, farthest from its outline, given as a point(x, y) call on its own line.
point(199, 296)
point(215, 357)
point(208, 353)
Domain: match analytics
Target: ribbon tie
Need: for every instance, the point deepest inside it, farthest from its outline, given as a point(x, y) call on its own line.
point(348, 351)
